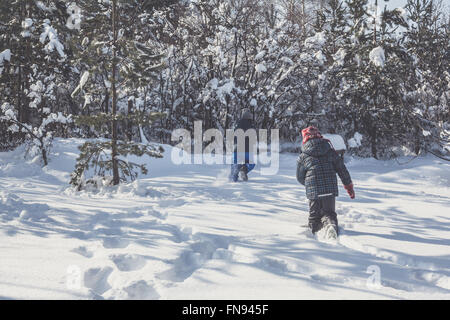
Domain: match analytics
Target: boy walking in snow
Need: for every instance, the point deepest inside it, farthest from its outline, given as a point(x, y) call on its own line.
point(240, 170)
point(317, 166)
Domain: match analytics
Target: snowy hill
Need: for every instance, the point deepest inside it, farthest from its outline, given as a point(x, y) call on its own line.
point(185, 232)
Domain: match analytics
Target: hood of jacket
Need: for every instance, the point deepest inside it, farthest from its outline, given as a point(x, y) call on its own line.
point(244, 124)
point(316, 147)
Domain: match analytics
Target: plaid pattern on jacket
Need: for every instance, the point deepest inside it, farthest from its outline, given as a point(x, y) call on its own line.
point(317, 166)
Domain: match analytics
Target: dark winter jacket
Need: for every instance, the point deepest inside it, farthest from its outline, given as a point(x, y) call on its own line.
point(244, 124)
point(317, 166)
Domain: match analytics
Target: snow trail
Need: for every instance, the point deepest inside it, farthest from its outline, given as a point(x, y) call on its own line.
point(184, 232)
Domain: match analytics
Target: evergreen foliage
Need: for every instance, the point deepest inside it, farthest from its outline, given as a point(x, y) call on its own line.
point(137, 68)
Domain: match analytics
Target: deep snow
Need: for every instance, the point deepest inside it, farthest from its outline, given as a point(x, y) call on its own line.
point(185, 232)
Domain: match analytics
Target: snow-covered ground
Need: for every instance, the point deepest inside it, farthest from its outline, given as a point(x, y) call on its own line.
point(184, 232)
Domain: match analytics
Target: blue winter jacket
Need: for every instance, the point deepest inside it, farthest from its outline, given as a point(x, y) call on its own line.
point(317, 166)
point(244, 124)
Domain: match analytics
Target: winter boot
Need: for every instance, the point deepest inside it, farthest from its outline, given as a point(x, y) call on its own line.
point(330, 227)
point(243, 173)
point(234, 174)
point(315, 226)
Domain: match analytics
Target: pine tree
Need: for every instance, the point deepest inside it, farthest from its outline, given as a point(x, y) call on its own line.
point(105, 53)
point(32, 76)
point(371, 85)
point(333, 23)
point(427, 39)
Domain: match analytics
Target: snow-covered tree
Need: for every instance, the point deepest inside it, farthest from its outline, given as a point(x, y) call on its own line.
point(376, 76)
point(106, 50)
point(372, 66)
point(39, 137)
point(225, 56)
point(427, 39)
point(33, 75)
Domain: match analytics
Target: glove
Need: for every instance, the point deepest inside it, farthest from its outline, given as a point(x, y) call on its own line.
point(350, 190)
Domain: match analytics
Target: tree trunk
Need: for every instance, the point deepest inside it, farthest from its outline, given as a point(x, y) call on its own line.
point(44, 155)
point(129, 121)
point(20, 103)
point(114, 153)
point(106, 110)
point(373, 142)
point(375, 23)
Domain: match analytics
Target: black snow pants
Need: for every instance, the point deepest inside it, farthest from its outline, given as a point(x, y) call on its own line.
point(322, 213)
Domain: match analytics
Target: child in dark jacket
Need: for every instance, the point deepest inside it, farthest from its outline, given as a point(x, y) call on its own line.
point(317, 166)
point(242, 169)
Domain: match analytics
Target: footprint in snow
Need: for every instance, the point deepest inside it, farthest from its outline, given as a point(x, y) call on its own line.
point(183, 266)
point(82, 250)
point(195, 257)
point(141, 290)
point(96, 279)
point(115, 243)
point(274, 265)
point(326, 278)
point(160, 214)
point(32, 215)
point(434, 278)
point(128, 262)
point(171, 203)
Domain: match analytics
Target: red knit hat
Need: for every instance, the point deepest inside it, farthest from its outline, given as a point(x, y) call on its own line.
point(310, 133)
